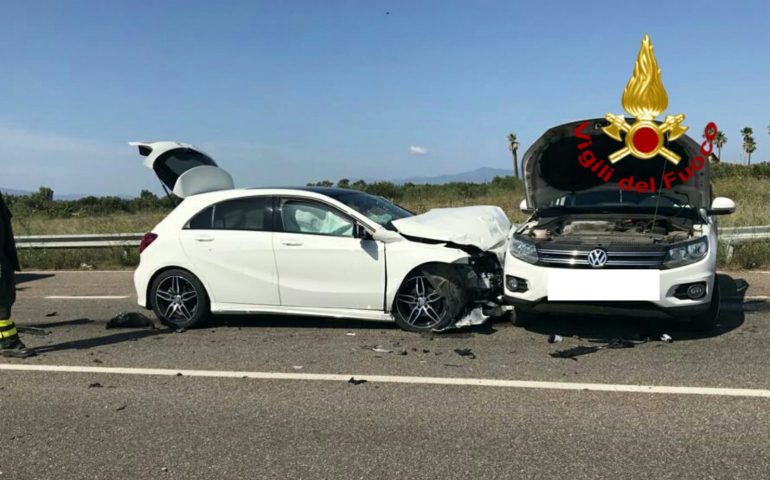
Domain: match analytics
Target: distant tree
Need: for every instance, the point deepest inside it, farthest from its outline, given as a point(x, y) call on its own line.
point(358, 185)
point(343, 183)
point(513, 146)
point(720, 140)
point(44, 193)
point(751, 147)
point(749, 144)
point(325, 183)
point(147, 196)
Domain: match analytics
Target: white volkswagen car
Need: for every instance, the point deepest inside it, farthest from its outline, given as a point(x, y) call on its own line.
point(326, 252)
point(638, 238)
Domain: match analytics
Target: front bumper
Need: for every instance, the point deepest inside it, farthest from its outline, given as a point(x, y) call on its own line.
point(535, 298)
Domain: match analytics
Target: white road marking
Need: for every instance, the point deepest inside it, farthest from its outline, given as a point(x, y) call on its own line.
point(87, 297)
point(475, 382)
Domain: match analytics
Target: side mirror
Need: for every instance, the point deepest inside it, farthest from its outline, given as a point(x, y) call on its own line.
point(721, 206)
point(523, 207)
point(363, 233)
point(386, 236)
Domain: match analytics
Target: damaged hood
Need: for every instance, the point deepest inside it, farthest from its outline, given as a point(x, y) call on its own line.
point(555, 176)
point(483, 227)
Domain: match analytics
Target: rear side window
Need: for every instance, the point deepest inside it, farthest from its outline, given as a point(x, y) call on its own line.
point(174, 163)
point(254, 213)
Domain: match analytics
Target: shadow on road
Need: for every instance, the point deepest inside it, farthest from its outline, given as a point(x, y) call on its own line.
point(88, 343)
point(31, 277)
point(604, 328)
point(295, 321)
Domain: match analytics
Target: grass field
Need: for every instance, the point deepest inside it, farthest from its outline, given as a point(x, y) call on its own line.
point(752, 196)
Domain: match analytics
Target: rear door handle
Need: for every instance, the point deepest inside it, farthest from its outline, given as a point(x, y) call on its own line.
point(204, 238)
point(291, 243)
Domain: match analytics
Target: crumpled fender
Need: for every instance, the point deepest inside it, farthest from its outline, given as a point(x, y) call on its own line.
point(485, 227)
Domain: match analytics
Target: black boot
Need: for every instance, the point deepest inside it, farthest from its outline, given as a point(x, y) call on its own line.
point(15, 348)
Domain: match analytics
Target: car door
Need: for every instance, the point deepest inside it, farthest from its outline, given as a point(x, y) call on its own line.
point(321, 262)
point(230, 244)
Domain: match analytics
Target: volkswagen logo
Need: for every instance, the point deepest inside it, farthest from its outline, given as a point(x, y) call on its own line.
point(597, 257)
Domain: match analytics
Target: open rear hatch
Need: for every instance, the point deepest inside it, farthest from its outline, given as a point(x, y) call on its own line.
point(183, 169)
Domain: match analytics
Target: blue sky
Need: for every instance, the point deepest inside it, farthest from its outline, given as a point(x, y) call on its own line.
point(286, 92)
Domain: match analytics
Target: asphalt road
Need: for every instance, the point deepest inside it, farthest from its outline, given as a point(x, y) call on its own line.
point(131, 423)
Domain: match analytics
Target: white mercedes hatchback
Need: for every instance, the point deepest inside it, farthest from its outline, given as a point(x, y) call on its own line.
point(326, 252)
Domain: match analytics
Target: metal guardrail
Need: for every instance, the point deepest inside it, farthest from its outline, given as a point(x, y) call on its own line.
point(729, 235)
point(80, 241)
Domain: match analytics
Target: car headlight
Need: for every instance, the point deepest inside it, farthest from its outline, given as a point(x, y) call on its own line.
point(687, 253)
point(523, 250)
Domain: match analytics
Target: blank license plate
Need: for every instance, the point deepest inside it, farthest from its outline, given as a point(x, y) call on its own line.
point(617, 285)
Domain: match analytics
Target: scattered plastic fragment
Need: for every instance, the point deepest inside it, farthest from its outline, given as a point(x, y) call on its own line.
point(356, 382)
point(351, 334)
point(164, 469)
point(575, 352)
point(130, 320)
point(182, 330)
point(380, 349)
point(555, 338)
point(466, 352)
point(122, 407)
point(297, 367)
point(179, 374)
point(95, 385)
point(621, 343)
point(666, 338)
point(52, 314)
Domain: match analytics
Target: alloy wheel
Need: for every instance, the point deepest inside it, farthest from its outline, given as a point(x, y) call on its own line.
point(176, 298)
point(420, 304)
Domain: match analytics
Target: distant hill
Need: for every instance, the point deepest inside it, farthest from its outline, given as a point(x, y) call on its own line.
point(11, 191)
point(56, 196)
point(480, 175)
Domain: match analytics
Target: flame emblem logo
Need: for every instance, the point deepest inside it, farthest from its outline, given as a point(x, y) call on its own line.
point(645, 98)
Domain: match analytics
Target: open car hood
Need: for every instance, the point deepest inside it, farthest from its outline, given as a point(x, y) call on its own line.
point(552, 170)
point(483, 227)
point(183, 169)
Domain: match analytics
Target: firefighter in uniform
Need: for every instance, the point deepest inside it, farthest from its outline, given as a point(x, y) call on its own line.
point(10, 343)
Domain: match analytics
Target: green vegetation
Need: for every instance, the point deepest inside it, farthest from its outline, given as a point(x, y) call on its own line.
point(39, 214)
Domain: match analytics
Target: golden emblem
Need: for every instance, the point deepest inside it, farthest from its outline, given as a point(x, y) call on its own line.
point(645, 98)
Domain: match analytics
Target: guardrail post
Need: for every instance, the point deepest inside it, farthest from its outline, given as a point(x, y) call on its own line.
point(730, 249)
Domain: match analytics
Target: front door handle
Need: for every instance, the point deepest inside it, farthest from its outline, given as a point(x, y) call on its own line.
point(291, 243)
point(204, 238)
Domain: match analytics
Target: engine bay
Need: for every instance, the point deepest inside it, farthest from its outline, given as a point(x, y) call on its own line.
point(612, 229)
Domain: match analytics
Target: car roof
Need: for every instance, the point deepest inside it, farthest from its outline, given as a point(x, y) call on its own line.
point(330, 191)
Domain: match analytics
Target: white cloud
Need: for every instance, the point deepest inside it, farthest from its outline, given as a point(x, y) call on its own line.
point(415, 150)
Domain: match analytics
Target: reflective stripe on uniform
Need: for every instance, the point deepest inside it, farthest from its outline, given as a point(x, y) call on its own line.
point(6, 324)
point(9, 333)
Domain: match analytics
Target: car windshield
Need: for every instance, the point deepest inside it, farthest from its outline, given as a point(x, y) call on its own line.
point(374, 208)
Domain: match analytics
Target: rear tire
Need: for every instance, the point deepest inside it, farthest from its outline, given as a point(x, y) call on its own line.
point(179, 299)
point(708, 320)
point(431, 298)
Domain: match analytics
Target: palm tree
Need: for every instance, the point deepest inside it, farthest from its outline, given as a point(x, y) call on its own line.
point(719, 140)
point(748, 139)
point(513, 146)
point(751, 147)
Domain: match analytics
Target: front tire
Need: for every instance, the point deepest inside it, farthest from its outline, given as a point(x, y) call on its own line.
point(431, 298)
point(179, 299)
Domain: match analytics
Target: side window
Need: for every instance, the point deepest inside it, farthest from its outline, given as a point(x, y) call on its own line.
point(252, 213)
point(300, 216)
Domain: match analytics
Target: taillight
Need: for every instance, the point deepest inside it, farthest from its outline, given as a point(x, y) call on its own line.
point(147, 241)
